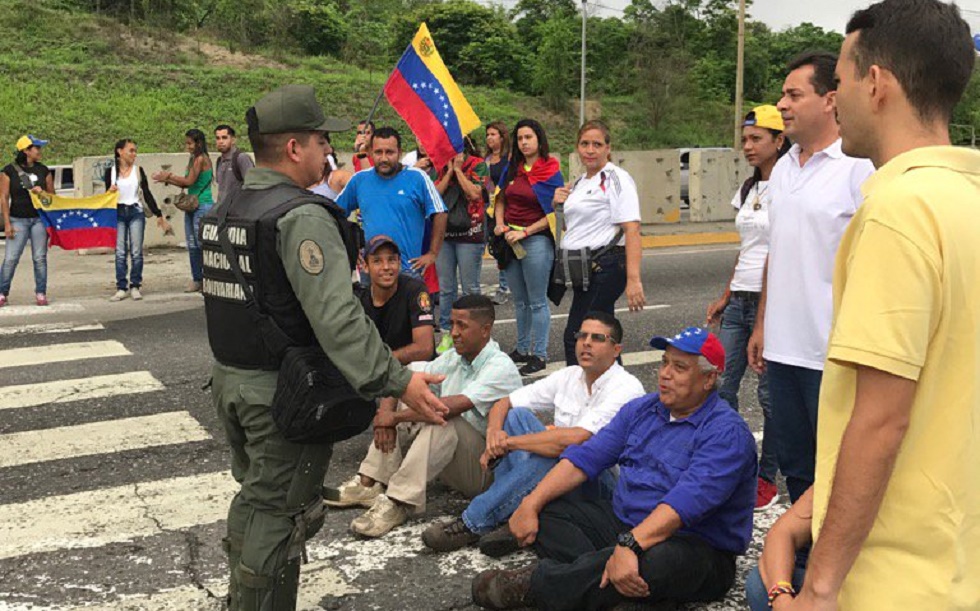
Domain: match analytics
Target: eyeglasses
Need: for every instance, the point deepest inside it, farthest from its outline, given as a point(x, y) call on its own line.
point(596, 337)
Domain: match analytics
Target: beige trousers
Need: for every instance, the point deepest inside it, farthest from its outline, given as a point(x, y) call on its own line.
point(424, 452)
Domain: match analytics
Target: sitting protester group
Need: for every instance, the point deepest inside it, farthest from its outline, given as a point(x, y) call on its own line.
point(627, 495)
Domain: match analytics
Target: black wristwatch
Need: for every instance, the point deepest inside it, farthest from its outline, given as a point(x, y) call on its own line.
point(627, 540)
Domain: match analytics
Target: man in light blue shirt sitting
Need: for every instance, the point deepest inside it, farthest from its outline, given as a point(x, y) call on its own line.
point(408, 452)
point(395, 200)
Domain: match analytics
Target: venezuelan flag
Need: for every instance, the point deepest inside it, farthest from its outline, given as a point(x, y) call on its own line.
point(73, 223)
point(545, 178)
point(424, 94)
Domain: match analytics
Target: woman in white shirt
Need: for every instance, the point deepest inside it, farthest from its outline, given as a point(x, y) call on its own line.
point(602, 213)
point(763, 144)
point(129, 180)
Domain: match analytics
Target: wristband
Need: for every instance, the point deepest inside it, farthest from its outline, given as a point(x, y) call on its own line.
point(526, 234)
point(781, 587)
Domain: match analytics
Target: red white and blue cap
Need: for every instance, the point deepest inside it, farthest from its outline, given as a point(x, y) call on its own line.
point(695, 340)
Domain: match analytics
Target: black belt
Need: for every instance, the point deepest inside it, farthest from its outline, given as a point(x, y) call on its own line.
point(746, 295)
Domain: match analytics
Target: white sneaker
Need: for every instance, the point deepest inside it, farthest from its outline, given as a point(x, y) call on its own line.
point(119, 296)
point(352, 494)
point(135, 293)
point(383, 516)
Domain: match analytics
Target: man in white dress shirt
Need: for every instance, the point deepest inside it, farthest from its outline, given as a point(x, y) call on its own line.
point(521, 450)
point(816, 189)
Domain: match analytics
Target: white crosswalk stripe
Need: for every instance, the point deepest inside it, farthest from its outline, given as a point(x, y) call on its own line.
point(99, 438)
point(56, 327)
point(82, 519)
point(64, 391)
point(59, 353)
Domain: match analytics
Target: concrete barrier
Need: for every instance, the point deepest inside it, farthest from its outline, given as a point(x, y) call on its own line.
point(713, 178)
point(657, 175)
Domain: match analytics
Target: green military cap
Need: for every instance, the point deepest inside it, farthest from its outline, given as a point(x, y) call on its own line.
point(291, 108)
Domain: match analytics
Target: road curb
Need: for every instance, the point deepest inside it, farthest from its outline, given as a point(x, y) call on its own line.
point(691, 239)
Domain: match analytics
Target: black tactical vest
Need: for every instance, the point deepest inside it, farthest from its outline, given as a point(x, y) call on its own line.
point(251, 226)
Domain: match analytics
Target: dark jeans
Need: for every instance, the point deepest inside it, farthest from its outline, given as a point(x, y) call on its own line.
point(607, 284)
point(736, 328)
point(795, 392)
point(576, 538)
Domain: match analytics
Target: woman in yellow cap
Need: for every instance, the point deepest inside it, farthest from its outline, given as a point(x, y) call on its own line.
point(763, 144)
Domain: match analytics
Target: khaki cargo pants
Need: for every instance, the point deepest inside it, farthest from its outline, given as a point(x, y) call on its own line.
point(424, 452)
point(279, 505)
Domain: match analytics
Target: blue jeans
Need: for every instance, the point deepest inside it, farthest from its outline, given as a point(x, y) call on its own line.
point(468, 258)
point(130, 223)
point(528, 279)
point(26, 229)
point(736, 327)
point(756, 593)
point(516, 476)
point(607, 284)
point(795, 392)
point(192, 229)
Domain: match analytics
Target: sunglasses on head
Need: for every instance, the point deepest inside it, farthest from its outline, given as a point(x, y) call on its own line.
point(596, 337)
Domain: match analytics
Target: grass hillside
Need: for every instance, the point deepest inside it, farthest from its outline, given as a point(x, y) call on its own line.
point(83, 82)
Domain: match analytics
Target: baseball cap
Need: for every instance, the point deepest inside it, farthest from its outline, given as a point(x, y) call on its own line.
point(766, 116)
point(26, 142)
point(292, 108)
point(377, 242)
point(695, 340)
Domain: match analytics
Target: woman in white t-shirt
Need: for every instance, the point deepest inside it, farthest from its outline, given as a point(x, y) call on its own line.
point(763, 144)
point(129, 180)
point(602, 213)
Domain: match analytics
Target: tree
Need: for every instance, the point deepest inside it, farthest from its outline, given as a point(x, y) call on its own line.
point(555, 75)
point(529, 14)
point(319, 28)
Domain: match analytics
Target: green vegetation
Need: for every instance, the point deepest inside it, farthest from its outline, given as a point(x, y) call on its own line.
point(84, 73)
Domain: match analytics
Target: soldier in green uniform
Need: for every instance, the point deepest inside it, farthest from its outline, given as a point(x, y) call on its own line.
point(294, 253)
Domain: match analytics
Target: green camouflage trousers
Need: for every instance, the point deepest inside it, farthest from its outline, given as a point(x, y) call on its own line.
point(279, 505)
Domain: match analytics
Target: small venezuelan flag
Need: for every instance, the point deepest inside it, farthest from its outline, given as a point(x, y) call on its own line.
point(73, 223)
point(424, 94)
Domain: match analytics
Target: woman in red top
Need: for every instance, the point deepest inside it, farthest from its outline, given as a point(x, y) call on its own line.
point(461, 188)
point(521, 214)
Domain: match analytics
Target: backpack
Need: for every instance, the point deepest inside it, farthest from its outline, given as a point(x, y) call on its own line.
point(234, 165)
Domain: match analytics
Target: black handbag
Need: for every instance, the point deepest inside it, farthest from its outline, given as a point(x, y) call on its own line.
point(458, 220)
point(313, 403)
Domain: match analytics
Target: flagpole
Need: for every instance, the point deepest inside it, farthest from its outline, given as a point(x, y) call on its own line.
point(377, 101)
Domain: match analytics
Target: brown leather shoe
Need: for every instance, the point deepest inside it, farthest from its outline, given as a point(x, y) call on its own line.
point(504, 589)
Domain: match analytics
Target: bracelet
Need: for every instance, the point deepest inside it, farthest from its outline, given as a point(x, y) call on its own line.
point(781, 587)
point(526, 234)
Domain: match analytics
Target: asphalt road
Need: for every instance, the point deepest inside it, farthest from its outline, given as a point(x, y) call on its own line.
point(113, 468)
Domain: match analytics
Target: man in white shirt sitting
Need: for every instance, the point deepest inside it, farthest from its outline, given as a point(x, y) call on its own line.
point(521, 450)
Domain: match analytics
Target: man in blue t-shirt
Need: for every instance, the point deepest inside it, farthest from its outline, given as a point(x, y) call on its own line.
point(396, 201)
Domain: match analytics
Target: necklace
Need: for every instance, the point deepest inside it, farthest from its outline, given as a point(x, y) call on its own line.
point(757, 203)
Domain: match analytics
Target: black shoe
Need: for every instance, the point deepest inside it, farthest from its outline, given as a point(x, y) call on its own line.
point(518, 357)
point(499, 543)
point(533, 365)
point(504, 589)
point(448, 536)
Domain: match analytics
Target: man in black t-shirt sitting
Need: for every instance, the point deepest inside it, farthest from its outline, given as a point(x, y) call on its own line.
point(398, 304)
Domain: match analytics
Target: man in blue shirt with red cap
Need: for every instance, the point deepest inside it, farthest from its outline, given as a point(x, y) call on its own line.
point(682, 510)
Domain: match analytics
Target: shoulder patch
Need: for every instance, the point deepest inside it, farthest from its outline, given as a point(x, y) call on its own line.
point(425, 302)
point(311, 257)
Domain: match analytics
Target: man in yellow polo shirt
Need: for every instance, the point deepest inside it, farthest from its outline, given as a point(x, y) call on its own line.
point(897, 495)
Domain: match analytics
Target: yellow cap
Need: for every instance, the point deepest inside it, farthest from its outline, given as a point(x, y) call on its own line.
point(26, 142)
point(766, 116)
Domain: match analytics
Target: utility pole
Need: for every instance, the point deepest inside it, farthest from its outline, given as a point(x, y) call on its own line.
point(739, 75)
point(581, 108)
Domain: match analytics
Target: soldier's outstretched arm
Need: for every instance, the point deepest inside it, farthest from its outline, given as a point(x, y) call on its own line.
point(315, 260)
